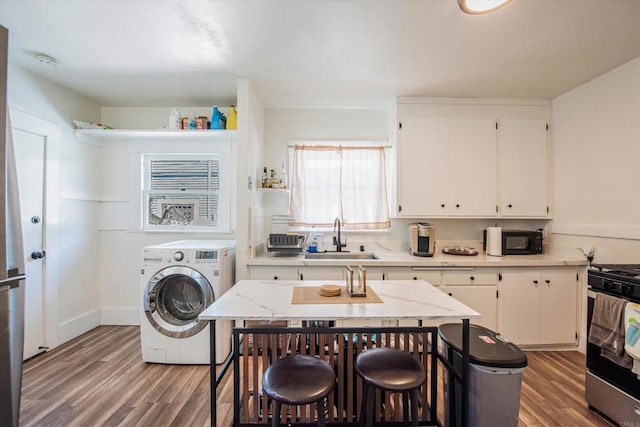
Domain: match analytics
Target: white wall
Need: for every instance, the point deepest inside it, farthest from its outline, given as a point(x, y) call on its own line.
point(250, 157)
point(75, 253)
point(120, 239)
point(596, 130)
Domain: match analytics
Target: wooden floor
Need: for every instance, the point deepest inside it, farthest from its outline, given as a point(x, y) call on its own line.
point(99, 379)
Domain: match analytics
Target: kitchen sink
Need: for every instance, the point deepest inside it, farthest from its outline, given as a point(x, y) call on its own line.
point(341, 255)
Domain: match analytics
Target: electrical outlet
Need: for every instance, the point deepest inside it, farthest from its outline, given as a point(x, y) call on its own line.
point(588, 251)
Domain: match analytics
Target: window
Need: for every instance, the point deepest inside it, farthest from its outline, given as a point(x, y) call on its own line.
point(182, 192)
point(335, 181)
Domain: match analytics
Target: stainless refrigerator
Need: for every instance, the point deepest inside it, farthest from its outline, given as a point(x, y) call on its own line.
point(11, 264)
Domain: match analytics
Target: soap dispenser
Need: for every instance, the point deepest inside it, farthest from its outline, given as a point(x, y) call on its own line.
point(218, 120)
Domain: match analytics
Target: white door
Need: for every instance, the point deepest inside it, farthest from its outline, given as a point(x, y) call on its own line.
point(29, 151)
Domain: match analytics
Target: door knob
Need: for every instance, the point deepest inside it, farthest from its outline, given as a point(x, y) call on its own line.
point(37, 254)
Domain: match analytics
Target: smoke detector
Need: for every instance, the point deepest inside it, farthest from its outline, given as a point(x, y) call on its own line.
point(47, 61)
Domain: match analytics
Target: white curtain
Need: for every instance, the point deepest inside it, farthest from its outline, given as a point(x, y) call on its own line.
point(332, 182)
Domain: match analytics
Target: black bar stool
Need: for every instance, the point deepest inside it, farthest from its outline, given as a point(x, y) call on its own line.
point(390, 370)
point(298, 380)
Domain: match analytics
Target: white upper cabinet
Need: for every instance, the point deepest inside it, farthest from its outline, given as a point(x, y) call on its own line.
point(523, 168)
point(423, 164)
point(464, 160)
point(447, 167)
point(472, 167)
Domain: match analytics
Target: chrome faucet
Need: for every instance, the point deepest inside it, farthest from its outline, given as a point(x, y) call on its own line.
point(336, 241)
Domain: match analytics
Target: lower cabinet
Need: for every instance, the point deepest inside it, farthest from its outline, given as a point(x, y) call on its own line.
point(482, 299)
point(539, 306)
point(529, 306)
point(477, 289)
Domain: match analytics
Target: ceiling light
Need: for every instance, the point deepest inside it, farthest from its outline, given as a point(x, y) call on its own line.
point(47, 61)
point(477, 7)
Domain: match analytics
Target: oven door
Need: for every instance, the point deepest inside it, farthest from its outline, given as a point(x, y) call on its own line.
point(605, 369)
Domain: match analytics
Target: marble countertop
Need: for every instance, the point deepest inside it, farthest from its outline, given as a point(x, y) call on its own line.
point(272, 300)
point(551, 258)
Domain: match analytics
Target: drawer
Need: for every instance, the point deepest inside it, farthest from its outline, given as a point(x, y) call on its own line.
point(273, 273)
point(474, 277)
point(431, 276)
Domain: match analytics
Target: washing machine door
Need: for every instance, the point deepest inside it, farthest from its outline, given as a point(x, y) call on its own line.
point(173, 299)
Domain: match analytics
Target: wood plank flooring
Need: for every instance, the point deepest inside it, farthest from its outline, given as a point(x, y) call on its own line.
point(99, 379)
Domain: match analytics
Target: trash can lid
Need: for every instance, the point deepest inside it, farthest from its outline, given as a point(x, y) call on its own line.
point(486, 347)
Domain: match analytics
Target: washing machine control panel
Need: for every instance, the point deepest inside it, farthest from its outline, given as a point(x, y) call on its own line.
point(210, 257)
point(178, 256)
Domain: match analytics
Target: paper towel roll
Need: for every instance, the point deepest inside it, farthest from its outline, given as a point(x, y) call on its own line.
point(494, 241)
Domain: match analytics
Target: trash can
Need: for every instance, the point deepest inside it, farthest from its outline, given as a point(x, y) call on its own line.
point(495, 376)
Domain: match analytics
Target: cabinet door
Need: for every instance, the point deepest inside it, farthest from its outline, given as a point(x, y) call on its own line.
point(523, 168)
point(472, 173)
point(423, 160)
point(272, 273)
point(519, 305)
point(558, 305)
point(482, 299)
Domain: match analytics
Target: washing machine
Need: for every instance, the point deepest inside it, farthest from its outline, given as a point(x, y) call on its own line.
point(179, 280)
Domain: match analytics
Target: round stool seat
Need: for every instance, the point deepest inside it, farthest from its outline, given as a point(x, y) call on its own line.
point(390, 369)
point(298, 380)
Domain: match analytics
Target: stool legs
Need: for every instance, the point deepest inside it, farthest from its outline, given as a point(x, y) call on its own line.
point(405, 409)
point(275, 417)
point(277, 407)
point(409, 400)
point(414, 407)
point(320, 408)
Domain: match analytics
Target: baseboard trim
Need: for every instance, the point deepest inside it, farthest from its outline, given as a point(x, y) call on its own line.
point(120, 316)
point(75, 327)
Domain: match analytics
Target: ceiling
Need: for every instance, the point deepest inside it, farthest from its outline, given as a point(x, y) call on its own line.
point(190, 52)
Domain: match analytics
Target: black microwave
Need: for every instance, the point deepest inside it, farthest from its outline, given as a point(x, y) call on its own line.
point(518, 242)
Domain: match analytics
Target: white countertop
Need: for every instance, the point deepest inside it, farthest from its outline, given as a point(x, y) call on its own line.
point(551, 258)
point(271, 300)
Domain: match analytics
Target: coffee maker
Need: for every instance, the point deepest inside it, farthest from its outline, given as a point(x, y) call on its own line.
point(422, 239)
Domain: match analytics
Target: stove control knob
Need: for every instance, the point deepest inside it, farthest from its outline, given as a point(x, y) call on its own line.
point(608, 285)
point(627, 289)
point(178, 256)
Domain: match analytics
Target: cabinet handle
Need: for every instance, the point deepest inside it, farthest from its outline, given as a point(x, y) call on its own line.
point(535, 282)
point(458, 205)
point(415, 278)
point(442, 205)
point(547, 281)
point(275, 277)
point(472, 278)
point(301, 276)
point(509, 206)
point(450, 294)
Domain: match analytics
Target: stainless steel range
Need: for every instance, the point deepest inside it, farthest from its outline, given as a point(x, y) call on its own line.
point(609, 388)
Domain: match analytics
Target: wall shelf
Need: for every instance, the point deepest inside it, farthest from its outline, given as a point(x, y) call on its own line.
point(99, 136)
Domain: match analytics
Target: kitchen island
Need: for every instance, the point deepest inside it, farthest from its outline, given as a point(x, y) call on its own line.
point(255, 347)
